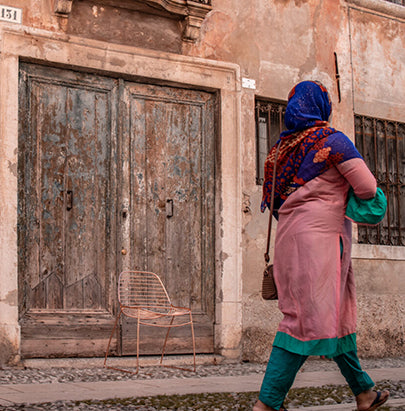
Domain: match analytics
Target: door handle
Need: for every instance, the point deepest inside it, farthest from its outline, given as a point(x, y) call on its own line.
point(69, 200)
point(69, 192)
point(169, 208)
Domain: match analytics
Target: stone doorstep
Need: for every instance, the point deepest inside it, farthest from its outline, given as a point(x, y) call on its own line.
point(130, 362)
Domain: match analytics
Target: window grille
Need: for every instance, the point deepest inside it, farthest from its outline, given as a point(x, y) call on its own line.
point(269, 125)
point(381, 143)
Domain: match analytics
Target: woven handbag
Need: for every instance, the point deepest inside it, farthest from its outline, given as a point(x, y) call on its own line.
point(269, 289)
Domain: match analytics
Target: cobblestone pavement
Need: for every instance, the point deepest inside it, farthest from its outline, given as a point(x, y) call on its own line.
point(298, 397)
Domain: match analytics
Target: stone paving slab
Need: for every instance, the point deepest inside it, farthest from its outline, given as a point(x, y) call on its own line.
point(39, 393)
point(319, 378)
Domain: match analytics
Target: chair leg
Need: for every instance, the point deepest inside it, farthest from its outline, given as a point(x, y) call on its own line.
point(137, 345)
point(164, 346)
point(167, 336)
point(111, 336)
point(193, 337)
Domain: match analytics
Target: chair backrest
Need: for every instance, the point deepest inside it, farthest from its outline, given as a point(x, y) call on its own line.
point(143, 289)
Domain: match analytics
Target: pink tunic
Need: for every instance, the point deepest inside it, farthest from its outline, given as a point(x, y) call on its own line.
point(314, 278)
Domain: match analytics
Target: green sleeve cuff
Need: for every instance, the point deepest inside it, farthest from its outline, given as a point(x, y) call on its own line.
point(370, 211)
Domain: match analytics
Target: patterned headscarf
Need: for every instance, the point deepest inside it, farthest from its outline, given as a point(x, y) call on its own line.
point(309, 147)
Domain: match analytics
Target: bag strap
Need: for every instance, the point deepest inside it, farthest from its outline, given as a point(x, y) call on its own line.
point(266, 254)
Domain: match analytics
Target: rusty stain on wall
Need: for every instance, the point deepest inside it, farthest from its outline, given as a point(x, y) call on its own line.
point(11, 298)
point(7, 351)
point(13, 168)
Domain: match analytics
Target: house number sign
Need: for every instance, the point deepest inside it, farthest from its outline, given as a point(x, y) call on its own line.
point(10, 14)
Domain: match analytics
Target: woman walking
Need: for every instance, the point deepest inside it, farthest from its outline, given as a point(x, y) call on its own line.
point(315, 168)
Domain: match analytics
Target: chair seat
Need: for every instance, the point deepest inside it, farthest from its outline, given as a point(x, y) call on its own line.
point(154, 313)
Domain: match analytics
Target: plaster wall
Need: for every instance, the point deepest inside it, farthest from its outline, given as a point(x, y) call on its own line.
point(380, 295)
point(276, 43)
point(378, 55)
point(113, 24)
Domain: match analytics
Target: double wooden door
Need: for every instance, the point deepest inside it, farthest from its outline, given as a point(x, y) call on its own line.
point(113, 175)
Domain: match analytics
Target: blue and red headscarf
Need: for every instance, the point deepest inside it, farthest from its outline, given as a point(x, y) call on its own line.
point(309, 147)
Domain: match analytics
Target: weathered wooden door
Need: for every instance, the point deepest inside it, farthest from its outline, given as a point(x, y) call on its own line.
point(102, 160)
point(168, 140)
point(66, 225)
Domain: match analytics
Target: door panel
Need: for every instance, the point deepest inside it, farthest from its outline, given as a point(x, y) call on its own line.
point(66, 213)
point(171, 140)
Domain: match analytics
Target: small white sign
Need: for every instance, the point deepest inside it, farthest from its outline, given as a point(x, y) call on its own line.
point(10, 14)
point(248, 83)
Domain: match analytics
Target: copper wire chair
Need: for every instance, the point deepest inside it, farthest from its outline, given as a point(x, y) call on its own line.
point(142, 295)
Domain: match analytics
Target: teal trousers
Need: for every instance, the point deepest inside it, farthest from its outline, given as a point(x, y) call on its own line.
point(283, 366)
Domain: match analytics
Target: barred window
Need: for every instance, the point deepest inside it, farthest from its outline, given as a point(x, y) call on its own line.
point(381, 143)
point(269, 125)
point(400, 2)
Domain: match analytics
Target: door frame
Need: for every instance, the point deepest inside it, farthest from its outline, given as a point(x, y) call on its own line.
point(156, 67)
